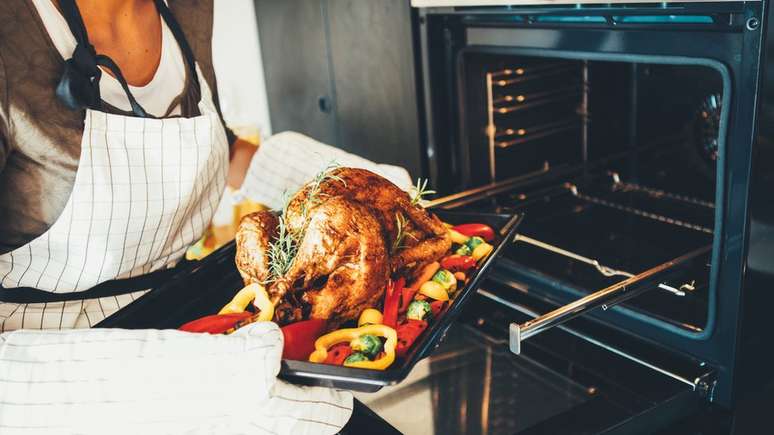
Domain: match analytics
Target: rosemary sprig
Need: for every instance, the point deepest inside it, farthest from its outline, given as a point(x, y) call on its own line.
point(419, 191)
point(313, 196)
point(400, 225)
point(283, 249)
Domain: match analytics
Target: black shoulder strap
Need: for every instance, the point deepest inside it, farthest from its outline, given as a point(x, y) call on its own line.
point(79, 86)
point(182, 42)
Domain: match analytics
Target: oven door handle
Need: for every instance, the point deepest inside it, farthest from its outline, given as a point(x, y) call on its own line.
point(605, 298)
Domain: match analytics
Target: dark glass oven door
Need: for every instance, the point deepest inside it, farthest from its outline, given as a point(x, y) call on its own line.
point(563, 382)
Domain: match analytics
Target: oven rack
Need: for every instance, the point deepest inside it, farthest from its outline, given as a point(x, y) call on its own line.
point(631, 286)
point(530, 100)
point(605, 298)
point(658, 193)
point(516, 90)
point(602, 269)
point(513, 76)
point(615, 184)
point(524, 135)
point(575, 191)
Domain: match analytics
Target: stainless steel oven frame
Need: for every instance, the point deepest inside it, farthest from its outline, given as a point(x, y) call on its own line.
point(731, 42)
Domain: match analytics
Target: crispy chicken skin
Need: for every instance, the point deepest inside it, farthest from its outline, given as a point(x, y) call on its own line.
point(426, 237)
point(341, 265)
point(255, 232)
point(348, 249)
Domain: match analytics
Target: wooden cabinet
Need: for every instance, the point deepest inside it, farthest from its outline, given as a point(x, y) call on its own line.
point(343, 72)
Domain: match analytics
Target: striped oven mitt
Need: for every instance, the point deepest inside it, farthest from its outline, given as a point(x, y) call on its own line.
point(285, 161)
point(100, 381)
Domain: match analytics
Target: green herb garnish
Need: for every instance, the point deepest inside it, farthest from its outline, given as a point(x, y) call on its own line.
point(400, 226)
point(419, 191)
point(283, 249)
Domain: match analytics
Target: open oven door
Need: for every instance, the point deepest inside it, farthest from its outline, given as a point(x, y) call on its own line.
point(577, 378)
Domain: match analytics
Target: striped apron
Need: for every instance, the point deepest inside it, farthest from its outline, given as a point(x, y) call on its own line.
point(144, 191)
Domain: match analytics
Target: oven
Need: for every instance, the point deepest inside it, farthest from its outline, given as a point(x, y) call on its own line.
point(635, 296)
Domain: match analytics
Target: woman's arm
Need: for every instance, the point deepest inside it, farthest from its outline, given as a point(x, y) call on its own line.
point(241, 153)
point(5, 147)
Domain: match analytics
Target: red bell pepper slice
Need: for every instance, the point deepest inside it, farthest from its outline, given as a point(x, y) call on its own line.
point(300, 338)
point(337, 354)
point(407, 295)
point(392, 298)
point(481, 230)
point(457, 263)
point(216, 323)
point(438, 307)
point(407, 334)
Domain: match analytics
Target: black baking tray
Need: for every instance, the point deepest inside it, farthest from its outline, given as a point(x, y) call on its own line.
point(201, 288)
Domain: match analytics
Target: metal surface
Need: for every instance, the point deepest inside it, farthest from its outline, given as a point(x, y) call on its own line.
point(475, 194)
point(604, 270)
point(690, 382)
point(666, 219)
point(471, 3)
point(491, 128)
point(723, 43)
point(202, 287)
point(605, 298)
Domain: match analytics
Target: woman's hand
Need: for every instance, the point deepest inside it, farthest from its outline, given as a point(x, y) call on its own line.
point(241, 153)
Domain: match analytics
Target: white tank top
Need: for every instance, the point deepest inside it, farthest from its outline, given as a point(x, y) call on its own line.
point(155, 97)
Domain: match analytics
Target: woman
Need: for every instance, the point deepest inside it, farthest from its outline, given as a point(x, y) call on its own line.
point(105, 172)
point(113, 158)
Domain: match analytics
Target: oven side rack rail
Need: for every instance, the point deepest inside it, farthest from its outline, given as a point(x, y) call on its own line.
point(605, 298)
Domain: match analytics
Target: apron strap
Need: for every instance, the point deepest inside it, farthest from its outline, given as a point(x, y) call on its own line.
point(78, 87)
point(114, 287)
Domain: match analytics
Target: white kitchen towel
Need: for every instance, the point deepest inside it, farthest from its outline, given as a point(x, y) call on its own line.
point(287, 160)
point(100, 381)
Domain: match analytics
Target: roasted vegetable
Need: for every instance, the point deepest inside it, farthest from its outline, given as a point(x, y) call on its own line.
point(480, 230)
point(367, 344)
point(338, 354)
point(350, 334)
point(392, 297)
point(355, 358)
point(418, 310)
point(253, 292)
point(370, 316)
point(457, 237)
point(434, 290)
point(458, 263)
point(438, 307)
point(426, 274)
point(463, 250)
point(407, 334)
point(216, 323)
point(446, 279)
point(460, 276)
point(482, 251)
point(473, 242)
point(300, 337)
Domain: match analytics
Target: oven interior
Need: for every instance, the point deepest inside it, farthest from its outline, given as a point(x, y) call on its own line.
point(617, 163)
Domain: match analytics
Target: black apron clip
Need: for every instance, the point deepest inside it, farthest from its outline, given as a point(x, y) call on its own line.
point(78, 87)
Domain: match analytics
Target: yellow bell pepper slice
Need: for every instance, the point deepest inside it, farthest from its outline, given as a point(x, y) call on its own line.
point(347, 335)
point(434, 290)
point(458, 237)
point(482, 251)
point(370, 316)
point(255, 293)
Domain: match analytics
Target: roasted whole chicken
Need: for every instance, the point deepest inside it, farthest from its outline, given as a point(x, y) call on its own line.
point(352, 230)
